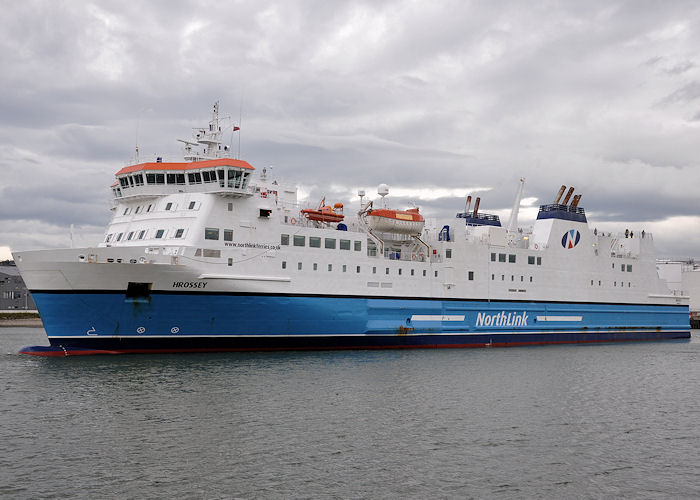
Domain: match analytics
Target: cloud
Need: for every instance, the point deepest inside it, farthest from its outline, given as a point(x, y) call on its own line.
point(433, 99)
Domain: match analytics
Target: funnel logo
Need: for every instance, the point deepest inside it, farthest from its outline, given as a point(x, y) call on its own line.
point(570, 239)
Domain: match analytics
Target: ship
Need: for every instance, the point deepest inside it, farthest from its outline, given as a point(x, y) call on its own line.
point(209, 254)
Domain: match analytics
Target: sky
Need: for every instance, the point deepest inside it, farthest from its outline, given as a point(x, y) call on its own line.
point(437, 99)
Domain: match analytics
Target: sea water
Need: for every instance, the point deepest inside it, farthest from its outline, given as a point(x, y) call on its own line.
point(604, 421)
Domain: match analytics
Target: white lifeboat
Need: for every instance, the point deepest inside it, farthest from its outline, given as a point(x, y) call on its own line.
point(396, 221)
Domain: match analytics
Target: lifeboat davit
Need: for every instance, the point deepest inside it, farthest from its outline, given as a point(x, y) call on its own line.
point(396, 221)
point(323, 214)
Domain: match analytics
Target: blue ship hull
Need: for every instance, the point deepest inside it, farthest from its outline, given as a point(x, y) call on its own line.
point(108, 322)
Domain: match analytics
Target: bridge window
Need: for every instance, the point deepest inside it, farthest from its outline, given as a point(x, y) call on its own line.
point(160, 178)
point(129, 236)
point(159, 233)
point(192, 205)
point(138, 179)
point(314, 242)
point(299, 241)
point(211, 233)
point(142, 234)
point(179, 233)
point(330, 243)
point(119, 236)
point(345, 244)
point(150, 178)
point(168, 206)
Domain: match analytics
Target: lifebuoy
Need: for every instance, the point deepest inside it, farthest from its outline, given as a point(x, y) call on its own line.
point(537, 247)
point(293, 221)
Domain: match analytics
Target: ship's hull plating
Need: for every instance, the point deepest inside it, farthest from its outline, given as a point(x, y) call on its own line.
point(108, 322)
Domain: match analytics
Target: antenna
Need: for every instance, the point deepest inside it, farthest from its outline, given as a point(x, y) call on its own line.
point(513, 223)
point(240, 121)
point(382, 191)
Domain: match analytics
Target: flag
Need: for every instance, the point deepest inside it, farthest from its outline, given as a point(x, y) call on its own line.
point(236, 128)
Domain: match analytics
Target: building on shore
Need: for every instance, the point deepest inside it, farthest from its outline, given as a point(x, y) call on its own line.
point(13, 292)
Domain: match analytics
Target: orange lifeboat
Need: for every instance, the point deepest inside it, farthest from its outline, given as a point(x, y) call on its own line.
point(396, 221)
point(323, 214)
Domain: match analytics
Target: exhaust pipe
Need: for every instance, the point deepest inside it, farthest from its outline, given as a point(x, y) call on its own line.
point(469, 204)
point(561, 192)
point(476, 206)
point(568, 195)
point(575, 201)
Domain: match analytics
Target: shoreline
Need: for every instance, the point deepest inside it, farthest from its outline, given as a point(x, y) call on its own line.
point(30, 322)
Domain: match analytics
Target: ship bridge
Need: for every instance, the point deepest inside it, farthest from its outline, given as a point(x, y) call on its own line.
point(225, 176)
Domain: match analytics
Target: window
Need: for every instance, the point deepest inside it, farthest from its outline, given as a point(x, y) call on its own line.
point(530, 279)
point(230, 207)
point(448, 253)
point(126, 211)
point(493, 257)
point(622, 268)
point(159, 233)
point(358, 269)
point(191, 206)
point(512, 278)
point(284, 239)
point(211, 233)
point(345, 244)
point(503, 277)
point(138, 209)
point(412, 272)
point(539, 261)
point(531, 259)
point(228, 234)
point(150, 178)
point(299, 240)
point(471, 275)
point(358, 246)
point(399, 271)
point(284, 264)
point(387, 270)
point(522, 278)
point(230, 261)
point(613, 265)
point(424, 272)
point(109, 237)
point(299, 266)
point(142, 234)
point(130, 235)
point(168, 206)
point(511, 258)
point(315, 266)
point(436, 274)
point(160, 178)
point(179, 232)
point(629, 268)
point(314, 242)
point(330, 243)
point(345, 267)
point(330, 267)
point(501, 257)
point(119, 236)
point(149, 208)
point(374, 270)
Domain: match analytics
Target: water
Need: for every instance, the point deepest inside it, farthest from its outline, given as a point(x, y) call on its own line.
point(598, 421)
